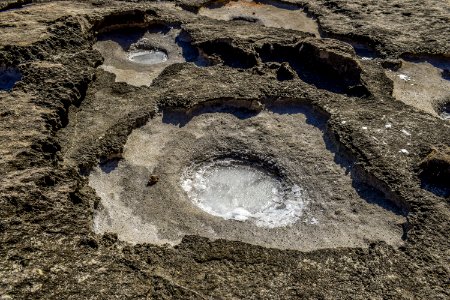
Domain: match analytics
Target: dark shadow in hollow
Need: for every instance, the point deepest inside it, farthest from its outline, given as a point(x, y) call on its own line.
point(363, 46)
point(134, 18)
point(190, 53)
point(363, 50)
point(289, 107)
point(125, 37)
point(439, 189)
point(230, 54)
point(217, 4)
point(8, 78)
point(434, 172)
point(18, 4)
point(247, 19)
point(179, 117)
point(374, 196)
point(110, 165)
point(446, 74)
point(338, 75)
point(279, 4)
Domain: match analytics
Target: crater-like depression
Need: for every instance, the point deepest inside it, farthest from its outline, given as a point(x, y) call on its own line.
point(269, 177)
point(268, 13)
point(233, 190)
point(421, 83)
point(137, 56)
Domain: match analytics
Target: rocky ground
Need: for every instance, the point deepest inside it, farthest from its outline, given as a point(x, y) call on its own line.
point(375, 73)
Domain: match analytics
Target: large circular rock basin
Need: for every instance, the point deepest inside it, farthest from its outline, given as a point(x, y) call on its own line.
point(265, 178)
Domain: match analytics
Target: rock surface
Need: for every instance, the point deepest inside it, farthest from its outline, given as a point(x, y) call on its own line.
point(65, 115)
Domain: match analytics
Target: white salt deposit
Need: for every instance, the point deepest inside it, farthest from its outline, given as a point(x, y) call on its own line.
point(314, 221)
point(233, 191)
point(405, 132)
point(404, 77)
point(147, 57)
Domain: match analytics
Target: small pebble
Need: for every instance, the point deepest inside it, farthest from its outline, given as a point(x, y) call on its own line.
point(152, 180)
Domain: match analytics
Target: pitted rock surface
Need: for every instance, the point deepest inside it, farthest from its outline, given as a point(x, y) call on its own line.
point(65, 115)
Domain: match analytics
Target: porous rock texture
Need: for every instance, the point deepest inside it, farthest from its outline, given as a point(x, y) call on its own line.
point(66, 114)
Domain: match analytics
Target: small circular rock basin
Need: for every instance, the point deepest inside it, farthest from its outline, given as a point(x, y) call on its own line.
point(137, 56)
point(147, 57)
point(232, 190)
